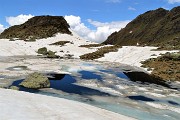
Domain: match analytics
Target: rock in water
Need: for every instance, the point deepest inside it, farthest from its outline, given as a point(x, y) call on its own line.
point(35, 81)
point(14, 88)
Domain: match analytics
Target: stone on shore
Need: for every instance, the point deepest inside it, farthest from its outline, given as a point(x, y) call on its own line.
point(14, 88)
point(36, 81)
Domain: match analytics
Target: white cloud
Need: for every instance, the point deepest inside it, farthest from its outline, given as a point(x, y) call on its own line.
point(2, 28)
point(173, 1)
point(18, 19)
point(77, 26)
point(101, 31)
point(131, 8)
point(113, 1)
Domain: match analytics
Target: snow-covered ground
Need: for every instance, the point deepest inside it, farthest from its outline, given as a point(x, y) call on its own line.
point(20, 47)
point(28, 106)
point(130, 55)
point(133, 55)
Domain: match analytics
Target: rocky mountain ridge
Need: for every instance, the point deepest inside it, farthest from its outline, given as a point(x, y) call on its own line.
point(37, 27)
point(156, 27)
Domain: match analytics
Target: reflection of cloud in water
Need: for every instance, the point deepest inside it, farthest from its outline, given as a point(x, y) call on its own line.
point(89, 75)
point(92, 83)
point(80, 66)
point(66, 85)
point(163, 107)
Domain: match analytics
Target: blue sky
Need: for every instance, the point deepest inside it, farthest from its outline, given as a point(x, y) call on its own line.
point(92, 13)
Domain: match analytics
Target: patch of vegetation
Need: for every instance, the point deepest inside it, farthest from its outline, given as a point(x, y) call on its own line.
point(14, 88)
point(31, 39)
point(91, 45)
point(62, 43)
point(51, 54)
point(36, 81)
point(166, 66)
point(11, 39)
point(170, 56)
point(48, 54)
point(169, 45)
point(99, 53)
point(42, 51)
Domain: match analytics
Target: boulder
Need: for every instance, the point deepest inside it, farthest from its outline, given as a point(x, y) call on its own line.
point(14, 88)
point(35, 81)
point(42, 51)
point(51, 54)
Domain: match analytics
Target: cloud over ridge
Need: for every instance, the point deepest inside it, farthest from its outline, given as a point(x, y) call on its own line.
point(99, 34)
point(18, 19)
point(2, 28)
point(101, 31)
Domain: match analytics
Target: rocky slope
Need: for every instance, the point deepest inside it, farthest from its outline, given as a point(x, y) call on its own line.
point(38, 27)
point(167, 66)
point(157, 27)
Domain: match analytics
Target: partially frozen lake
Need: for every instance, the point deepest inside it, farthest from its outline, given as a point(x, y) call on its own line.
point(102, 84)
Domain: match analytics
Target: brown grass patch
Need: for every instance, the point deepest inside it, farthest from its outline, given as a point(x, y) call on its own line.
point(91, 45)
point(166, 66)
point(62, 43)
point(99, 53)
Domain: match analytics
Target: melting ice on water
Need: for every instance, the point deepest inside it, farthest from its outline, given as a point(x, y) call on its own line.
point(106, 86)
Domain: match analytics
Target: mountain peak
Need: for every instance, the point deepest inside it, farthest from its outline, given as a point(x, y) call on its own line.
point(155, 27)
point(38, 27)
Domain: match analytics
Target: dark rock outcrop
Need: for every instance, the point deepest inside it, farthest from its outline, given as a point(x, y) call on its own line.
point(157, 27)
point(38, 27)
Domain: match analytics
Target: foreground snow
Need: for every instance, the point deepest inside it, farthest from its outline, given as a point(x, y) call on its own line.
point(17, 105)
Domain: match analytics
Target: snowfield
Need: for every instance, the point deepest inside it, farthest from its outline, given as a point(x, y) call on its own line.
point(20, 47)
point(133, 55)
point(130, 55)
point(18, 105)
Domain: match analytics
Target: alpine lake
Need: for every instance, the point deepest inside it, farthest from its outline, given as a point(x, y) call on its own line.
point(113, 86)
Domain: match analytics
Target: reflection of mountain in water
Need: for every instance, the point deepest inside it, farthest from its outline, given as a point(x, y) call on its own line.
point(143, 77)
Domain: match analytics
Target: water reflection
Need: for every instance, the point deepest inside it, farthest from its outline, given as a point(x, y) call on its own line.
point(173, 103)
point(144, 77)
point(141, 98)
point(90, 75)
point(66, 85)
point(99, 84)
